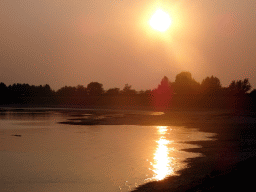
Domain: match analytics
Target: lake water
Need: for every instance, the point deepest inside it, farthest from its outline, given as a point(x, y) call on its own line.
point(39, 154)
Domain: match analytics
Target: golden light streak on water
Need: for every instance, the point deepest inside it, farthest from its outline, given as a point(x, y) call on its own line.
point(162, 166)
point(162, 129)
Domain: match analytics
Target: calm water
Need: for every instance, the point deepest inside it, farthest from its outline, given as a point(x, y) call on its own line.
point(48, 156)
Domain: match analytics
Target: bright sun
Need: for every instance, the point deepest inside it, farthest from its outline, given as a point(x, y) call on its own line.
point(160, 21)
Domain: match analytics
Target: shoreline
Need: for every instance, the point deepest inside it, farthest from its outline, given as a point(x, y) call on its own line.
point(232, 159)
point(232, 152)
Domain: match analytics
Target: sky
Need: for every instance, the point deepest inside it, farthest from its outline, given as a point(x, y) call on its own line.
point(75, 42)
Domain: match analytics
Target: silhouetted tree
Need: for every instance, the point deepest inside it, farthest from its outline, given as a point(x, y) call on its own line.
point(81, 91)
point(253, 99)
point(3, 88)
point(185, 84)
point(47, 91)
point(66, 91)
point(210, 85)
point(127, 90)
point(16, 89)
point(4, 94)
point(113, 91)
point(253, 93)
point(95, 88)
point(26, 94)
point(145, 93)
point(162, 94)
point(183, 77)
point(239, 87)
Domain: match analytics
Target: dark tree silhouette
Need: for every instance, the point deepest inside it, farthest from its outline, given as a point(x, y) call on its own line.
point(95, 89)
point(66, 91)
point(253, 93)
point(185, 84)
point(27, 94)
point(16, 89)
point(240, 87)
point(183, 77)
point(81, 91)
point(113, 91)
point(4, 94)
point(210, 85)
point(47, 91)
point(162, 95)
point(3, 88)
point(253, 99)
point(127, 90)
point(145, 93)
point(182, 93)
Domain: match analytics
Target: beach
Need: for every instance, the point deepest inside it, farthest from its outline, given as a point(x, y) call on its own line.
point(228, 156)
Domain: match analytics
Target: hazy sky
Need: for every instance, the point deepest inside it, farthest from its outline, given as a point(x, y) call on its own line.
point(71, 42)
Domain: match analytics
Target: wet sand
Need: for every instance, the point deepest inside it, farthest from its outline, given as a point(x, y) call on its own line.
point(227, 164)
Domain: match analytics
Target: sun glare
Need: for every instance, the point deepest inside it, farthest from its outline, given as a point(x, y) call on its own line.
point(160, 21)
point(162, 166)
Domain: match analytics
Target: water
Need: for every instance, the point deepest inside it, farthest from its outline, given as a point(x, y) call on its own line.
point(39, 154)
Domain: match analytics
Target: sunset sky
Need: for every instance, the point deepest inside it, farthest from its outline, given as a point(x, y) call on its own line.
point(71, 42)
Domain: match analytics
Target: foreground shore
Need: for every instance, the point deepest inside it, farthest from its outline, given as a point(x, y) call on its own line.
point(227, 161)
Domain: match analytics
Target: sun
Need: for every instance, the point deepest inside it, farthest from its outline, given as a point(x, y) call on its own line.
point(160, 21)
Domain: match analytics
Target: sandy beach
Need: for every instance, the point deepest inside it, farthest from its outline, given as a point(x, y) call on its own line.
point(227, 162)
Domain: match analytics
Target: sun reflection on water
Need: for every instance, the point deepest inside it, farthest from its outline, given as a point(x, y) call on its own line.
point(162, 129)
point(162, 165)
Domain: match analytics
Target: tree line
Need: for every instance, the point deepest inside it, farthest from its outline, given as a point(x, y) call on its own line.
point(184, 92)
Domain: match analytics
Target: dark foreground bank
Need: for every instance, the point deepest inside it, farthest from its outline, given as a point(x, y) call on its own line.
point(233, 178)
point(228, 163)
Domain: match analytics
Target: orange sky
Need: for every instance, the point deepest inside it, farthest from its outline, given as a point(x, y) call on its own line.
point(64, 42)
